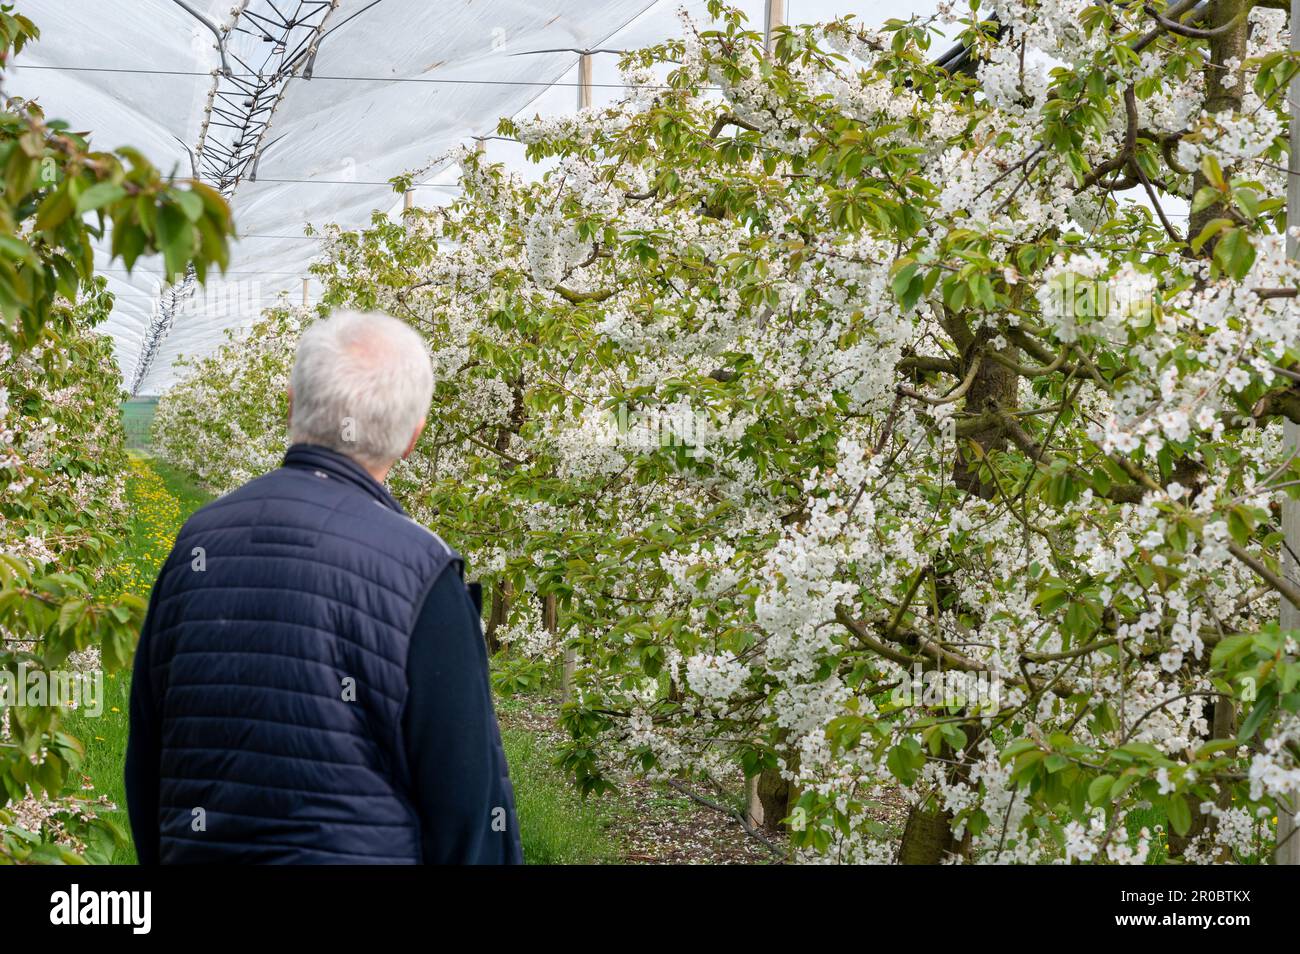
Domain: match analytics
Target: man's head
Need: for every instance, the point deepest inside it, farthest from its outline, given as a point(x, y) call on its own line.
point(361, 385)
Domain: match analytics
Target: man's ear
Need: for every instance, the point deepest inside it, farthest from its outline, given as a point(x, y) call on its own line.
point(419, 429)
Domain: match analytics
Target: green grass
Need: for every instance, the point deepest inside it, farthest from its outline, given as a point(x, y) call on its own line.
point(105, 740)
point(1157, 824)
point(156, 514)
point(181, 486)
point(556, 826)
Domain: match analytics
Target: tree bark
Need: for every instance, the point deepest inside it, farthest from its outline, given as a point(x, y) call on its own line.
point(927, 837)
point(1224, 726)
point(498, 614)
point(754, 812)
point(1223, 90)
point(994, 383)
point(551, 620)
point(774, 793)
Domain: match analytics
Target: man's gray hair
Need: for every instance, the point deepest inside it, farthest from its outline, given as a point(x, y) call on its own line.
point(361, 381)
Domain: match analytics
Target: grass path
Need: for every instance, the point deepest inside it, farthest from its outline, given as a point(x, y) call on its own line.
point(557, 826)
point(641, 822)
point(160, 498)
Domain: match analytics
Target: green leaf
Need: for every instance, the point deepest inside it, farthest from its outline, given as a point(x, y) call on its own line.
point(1212, 228)
point(176, 239)
point(1099, 789)
point(1213, 172)
point(1234, 253)
point(1264, 705)
point(16, 249)
point(1180, 815)
point(99, 195)
point(190, 203)
point(54, 210)
point(1230, 648)
point(69, 612)
point(1240, 525)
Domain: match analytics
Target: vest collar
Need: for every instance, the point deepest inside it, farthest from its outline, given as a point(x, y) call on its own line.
point(333, 464)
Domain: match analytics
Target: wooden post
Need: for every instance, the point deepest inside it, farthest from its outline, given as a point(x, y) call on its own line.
point(775, 18)
point(551, 621)
point(408, 199)
point(1288, 851)
point(767, 779)
point(584, 81)
point(306, 292)
point(754, 812)
point(550, 613)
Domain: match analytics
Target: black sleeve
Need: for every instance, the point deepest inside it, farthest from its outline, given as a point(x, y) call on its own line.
point(144, 750)
point(461, 784)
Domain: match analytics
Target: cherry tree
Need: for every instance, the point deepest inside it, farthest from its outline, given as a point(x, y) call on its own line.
point(62, 463)
point(873, 424)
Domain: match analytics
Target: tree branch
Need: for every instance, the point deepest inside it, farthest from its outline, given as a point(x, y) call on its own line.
point(956, 394)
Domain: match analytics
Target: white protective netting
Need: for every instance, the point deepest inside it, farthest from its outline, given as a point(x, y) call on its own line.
point(394, 84)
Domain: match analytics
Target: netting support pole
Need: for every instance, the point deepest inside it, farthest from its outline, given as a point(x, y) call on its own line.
point(550, 612)
point(584, 81)
point(1288, 850)
point(306, 292)
point(775, 17)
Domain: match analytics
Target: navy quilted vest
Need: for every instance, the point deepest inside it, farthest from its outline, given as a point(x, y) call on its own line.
point(281, 670)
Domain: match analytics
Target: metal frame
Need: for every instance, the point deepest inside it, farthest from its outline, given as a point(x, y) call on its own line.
point(237, 118)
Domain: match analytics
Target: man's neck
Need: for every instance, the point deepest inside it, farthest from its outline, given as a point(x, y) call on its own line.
point(379, 472)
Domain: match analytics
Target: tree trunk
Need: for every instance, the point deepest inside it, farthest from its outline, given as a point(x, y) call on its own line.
point(1223, 90)
point(774, 793)
point(754, 810)
point(497, 616)
point(994, 383)
point(551, 620)
point(927, 837)
point(1224, 726)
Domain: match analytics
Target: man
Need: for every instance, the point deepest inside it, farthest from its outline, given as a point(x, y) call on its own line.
point(311, 682)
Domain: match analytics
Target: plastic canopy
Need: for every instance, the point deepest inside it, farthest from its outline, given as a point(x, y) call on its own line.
point(324, 101)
